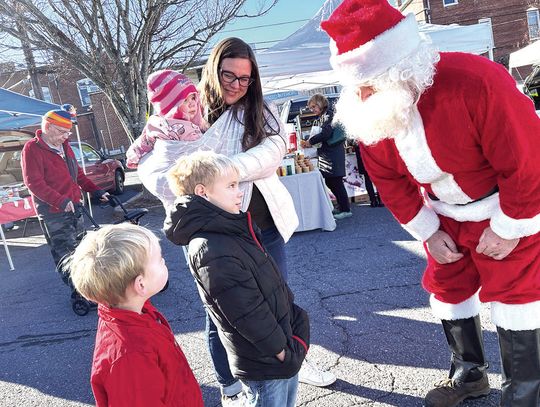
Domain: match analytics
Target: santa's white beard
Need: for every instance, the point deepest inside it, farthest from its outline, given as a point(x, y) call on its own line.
point(381, 116)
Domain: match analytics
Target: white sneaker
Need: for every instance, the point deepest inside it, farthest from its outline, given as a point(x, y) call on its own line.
point(238, 400)
point(310, 373)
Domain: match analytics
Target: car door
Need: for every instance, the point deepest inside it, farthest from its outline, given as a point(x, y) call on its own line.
point(92, 165)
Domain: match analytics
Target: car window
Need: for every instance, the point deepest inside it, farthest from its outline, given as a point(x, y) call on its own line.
point(76, 151)
point(90, 155)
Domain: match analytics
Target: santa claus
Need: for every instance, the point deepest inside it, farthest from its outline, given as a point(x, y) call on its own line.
point(454, 150)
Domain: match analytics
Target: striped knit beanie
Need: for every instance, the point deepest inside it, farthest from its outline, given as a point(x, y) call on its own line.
point(59, 118)
point(167, 90)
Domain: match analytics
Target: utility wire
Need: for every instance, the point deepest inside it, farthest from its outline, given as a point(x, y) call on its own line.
point(265, 25)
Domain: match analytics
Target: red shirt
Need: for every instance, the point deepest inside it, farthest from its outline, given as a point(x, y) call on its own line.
point(137, 362)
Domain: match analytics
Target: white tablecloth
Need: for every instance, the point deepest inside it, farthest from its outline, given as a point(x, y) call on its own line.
point(312, 203)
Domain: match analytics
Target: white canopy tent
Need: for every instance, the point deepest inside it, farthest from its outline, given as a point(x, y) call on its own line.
point(528, 55)
point(301, 61)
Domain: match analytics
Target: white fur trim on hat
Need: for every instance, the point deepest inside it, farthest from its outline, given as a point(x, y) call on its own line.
point(376, 56)
point(510, 228)
point(423, 225)
point(449, 312)
point(516, 317)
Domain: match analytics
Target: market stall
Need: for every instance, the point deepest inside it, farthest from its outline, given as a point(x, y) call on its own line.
point(301, 62)
point(13, 209)
point(312, 203)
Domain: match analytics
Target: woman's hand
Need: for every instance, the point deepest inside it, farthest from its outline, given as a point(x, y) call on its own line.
point(281, 356)
point(305, 143)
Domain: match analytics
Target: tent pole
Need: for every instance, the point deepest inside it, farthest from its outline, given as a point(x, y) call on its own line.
point(83, 165)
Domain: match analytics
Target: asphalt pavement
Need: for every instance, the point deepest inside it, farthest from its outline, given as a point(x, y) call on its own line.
point(370, 319)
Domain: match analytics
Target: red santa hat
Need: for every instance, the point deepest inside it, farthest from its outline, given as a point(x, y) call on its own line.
point(367, 37)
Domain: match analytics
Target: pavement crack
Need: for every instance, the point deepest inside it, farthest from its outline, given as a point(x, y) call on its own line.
point(46, 339)
point(367, 290)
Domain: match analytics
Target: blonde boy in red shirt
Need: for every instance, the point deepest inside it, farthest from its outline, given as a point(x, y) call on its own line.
point(137, 361)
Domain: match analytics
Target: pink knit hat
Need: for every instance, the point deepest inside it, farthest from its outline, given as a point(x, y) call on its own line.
point(167, 90)
point(368, 37)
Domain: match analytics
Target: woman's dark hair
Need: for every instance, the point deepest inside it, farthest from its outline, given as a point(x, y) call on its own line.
point(256, 113)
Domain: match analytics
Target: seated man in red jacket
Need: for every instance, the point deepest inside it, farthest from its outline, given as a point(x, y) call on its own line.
point(53, 177)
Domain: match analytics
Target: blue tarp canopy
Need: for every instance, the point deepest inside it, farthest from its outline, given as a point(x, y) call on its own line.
point(18, 111)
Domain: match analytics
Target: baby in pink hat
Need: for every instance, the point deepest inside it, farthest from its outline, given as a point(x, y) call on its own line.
point(177, 114)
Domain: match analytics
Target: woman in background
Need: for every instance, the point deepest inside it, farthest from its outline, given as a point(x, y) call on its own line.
point(331, 157)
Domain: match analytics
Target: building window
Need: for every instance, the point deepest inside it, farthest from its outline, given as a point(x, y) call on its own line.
point(85, 87)
point(46, 94)
point(449, 2)
point(533, 21)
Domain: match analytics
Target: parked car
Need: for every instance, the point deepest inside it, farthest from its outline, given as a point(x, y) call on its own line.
point(105, 172)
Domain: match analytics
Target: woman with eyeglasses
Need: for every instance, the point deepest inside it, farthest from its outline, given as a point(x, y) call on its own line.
point(254, 137)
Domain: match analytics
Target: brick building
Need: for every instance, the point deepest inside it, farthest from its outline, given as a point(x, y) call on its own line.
point(515, 23)
point(97, 123)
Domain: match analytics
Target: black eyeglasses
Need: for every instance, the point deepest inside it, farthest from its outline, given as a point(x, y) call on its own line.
point(228, 77)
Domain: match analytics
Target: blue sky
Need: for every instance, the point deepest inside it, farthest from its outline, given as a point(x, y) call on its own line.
point(282, 20)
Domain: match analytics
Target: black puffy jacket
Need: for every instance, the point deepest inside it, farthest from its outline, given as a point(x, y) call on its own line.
point(242, 289)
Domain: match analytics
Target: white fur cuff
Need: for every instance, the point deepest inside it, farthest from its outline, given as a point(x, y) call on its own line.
point(376, 56)
point(516, 317)
point(423, 225)
point(466, 309)
point(510, 228)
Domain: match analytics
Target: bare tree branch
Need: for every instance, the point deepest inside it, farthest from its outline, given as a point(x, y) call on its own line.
point(117, 43)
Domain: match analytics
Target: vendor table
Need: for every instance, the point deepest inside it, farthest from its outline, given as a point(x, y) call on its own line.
point(312, 203)
point(12, 211)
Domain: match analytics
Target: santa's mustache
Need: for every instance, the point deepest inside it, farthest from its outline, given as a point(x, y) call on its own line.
point(381, 116)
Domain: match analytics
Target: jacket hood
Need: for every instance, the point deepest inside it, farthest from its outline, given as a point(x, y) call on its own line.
point(193, 214)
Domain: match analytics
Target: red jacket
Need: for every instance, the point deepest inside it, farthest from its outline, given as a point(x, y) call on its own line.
point(475, 134)
point(137, 362)
point(48, 177)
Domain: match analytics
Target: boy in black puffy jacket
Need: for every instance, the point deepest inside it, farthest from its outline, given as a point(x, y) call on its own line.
point(265, 334)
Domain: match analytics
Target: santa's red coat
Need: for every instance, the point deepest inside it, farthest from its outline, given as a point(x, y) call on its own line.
point(475, 132)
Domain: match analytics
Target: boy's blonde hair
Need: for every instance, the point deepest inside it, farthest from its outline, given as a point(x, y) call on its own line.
point(201, 167)
point(108, 260)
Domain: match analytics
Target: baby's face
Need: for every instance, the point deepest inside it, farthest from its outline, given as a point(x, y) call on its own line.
point(189, 106)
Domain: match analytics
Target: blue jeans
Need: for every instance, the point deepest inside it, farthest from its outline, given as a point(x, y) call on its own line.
point(271, 393)
point(275, 246)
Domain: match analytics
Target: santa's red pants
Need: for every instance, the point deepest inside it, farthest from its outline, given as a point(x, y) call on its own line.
point(513, 280)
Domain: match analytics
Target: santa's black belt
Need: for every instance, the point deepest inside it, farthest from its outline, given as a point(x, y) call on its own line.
point(493, 191)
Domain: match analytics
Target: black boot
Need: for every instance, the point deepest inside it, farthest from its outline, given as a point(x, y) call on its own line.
point(467, 377)
point(520, 356)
